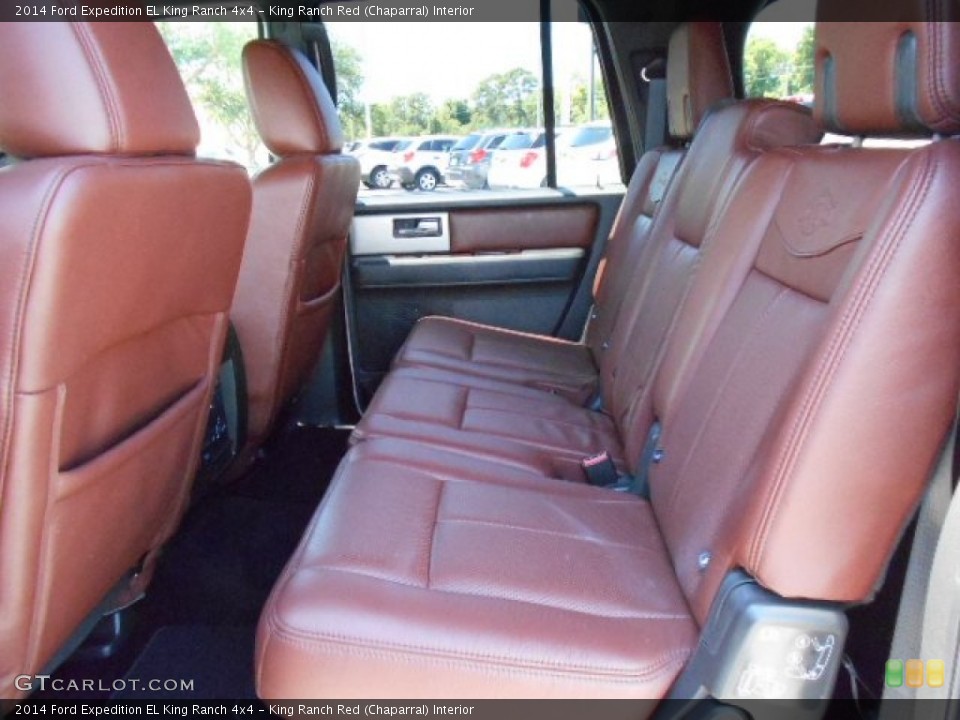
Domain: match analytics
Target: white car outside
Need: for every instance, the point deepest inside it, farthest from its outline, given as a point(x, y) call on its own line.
point(375, 156)
point(419, 163)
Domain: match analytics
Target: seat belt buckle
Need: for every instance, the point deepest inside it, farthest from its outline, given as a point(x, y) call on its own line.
point(600, 469)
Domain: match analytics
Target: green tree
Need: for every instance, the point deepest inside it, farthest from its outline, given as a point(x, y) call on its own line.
point(403, 115)
point(766, 68)
point(208, 56)
point(381, 121)
point(348, 66)
point(580, 101)
point(452, 117)
point(511, 98)
point(802, 77)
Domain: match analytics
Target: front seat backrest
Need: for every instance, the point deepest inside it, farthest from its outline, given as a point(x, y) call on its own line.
point(302, 208)
point(119, 253)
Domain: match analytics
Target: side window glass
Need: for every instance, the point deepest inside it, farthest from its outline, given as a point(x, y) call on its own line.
point(778, 60)
point(467, 111)
point(208, 57)
point(587, 153)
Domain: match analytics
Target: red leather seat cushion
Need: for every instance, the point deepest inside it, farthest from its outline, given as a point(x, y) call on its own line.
point(472, 349)
point(490, 417)
point(459, 588)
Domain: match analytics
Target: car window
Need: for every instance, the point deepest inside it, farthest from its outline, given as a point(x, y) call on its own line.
point(476, 88)
point(539, 142)
point(778, 59)
point(208, 55)
point(517, 141)
point(467, 143)
point(590, 136)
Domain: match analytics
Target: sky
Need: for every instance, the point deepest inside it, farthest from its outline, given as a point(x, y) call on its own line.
point(770, 22)
point(448, 60)
point(786, 34)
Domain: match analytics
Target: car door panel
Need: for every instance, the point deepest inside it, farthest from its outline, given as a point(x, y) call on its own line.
point(506, 229)
point(521, 263)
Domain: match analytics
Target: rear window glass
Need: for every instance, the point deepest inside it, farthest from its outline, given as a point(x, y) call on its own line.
point(590, 136)
point(542, 139)
point(778, 58)
point(468, 143)
point(384, 145)
point(520, 141)
point(495, 142)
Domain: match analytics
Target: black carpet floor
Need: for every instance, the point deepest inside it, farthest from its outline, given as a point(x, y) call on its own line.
point(199, 617)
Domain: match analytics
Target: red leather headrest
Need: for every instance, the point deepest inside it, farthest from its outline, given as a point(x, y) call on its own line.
point(291, 106)
point(877, 78)
point(75, 88)
point(698, 75)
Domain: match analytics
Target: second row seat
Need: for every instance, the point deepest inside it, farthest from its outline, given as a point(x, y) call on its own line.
point(524, 424)
point(698, 75)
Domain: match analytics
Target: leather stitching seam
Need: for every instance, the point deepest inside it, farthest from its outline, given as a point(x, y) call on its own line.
point(301, 639)
point(292, 282)
point(96, 63)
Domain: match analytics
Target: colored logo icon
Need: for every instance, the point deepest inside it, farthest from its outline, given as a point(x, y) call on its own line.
point(894, 673)
point(935, 673)
point(911, 673)
point(914, 673)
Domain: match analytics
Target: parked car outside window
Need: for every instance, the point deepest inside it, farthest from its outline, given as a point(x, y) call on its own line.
point(469, 167)
point(375, 156)
point(419, 163)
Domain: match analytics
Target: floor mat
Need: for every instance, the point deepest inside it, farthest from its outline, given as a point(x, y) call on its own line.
point(192, 662)
point(199, 616)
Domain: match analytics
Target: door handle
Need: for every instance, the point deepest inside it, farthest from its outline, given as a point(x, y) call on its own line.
point(417, 227)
